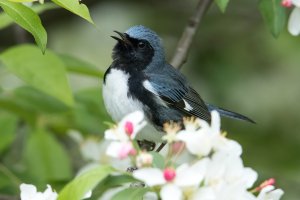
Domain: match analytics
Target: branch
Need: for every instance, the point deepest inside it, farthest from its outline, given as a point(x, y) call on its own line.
point(188, 34)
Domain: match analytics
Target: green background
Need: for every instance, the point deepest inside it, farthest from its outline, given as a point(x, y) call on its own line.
point(234, 63)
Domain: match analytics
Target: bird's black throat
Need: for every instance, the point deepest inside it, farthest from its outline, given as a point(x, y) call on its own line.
point(132, 57)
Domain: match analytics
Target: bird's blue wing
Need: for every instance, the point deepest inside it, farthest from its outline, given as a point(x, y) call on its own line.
point(172, 89)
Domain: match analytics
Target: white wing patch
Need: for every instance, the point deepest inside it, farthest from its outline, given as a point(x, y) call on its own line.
point(187, 106)
point(147, 85)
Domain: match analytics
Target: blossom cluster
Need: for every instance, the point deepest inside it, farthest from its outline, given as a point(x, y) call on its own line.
point(200, 163)
point(214, 170)
point(294, 19)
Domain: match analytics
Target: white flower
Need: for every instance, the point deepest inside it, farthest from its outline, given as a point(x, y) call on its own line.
point(294, 22)
point(201, 141)
point(127, 129)
point(29, 192)
point(294, 19)
point(122, 135)
point(174, 182)
point(268, 193)
point(144, 159)
point(227, 168)
point(120, 150)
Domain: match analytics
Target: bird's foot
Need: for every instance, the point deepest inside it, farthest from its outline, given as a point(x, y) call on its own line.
point(131, 169)
point(146, 145)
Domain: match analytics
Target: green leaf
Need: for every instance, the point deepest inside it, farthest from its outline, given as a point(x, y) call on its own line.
point(46, 159)
point(8, 124)
point(27, 19)
point(222, 4)
point(75, 7)
point(36, 101)
point(85, 182)
point(81, 67)
point(273, 14)
point(44, 72)
point(111, 182)
point(10, 105)
point(23, 1)
point(158, 160)
point(130, 194)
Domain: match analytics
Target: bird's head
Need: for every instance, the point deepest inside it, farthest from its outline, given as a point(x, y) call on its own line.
point(138, 46)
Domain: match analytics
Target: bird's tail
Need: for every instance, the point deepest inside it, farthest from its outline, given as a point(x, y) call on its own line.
point(230, 114)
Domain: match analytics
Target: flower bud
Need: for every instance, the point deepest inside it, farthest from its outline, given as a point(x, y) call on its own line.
point(128, 128)
point(286, 3)
point(264, 184)
point(144, 159)
point(169, 174)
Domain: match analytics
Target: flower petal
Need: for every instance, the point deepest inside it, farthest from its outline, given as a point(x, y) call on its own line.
point(49, 194)
point(191, 175)
point(294, 22)
point(197, 143)
point(171, 192)
point(204, 193)
point(268, 193)
point(28, 192)
point(151, 176)
point(215, 122)
point(296, 2)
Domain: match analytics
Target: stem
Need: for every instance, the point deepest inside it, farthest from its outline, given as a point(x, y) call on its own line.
point(6, 171)
point(184, 44)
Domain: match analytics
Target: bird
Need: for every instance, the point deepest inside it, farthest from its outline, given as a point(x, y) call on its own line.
point(140, 78)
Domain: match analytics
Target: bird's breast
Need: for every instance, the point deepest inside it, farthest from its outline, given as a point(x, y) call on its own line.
point(115, 95)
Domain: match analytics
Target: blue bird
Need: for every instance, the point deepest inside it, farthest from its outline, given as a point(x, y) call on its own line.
point(140, 78)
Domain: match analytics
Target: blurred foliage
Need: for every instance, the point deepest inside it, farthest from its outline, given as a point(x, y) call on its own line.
point(234, 63)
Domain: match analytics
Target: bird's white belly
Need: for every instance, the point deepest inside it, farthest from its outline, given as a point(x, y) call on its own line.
point(118, 104)
point(115, 95)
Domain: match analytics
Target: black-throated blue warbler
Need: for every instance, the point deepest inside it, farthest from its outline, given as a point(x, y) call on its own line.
point(140, 78)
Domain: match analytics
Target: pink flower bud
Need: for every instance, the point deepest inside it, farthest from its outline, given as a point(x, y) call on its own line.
point(128, 128)
point(125, 150)
point(132, 152)
point(264, 184)
point(169, 174)
point(286, 3)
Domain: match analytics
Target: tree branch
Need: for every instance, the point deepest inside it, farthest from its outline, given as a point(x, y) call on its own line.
point(184, 44)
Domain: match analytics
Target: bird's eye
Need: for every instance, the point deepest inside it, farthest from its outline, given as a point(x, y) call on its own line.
point(141, 45)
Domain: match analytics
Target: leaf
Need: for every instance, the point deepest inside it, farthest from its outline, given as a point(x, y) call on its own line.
point(130, 194)
point(8, 104)
point(85, 182)
point(75, 7)
point(113, 181)
point(8, 124)
point(36, 101)
point(23, 1)
point(158, 160)
point(81, 67)
point(273, 14)
point(27, 19)
point(46, 159)
point(44, 72)
point(222, 4)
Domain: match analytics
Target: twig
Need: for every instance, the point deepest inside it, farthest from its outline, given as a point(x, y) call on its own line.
point(6, 197)
point(189, 32)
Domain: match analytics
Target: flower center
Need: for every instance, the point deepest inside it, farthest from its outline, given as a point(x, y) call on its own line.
point(169, 174)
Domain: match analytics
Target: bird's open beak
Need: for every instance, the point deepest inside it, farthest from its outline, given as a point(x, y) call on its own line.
point(123, 38)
